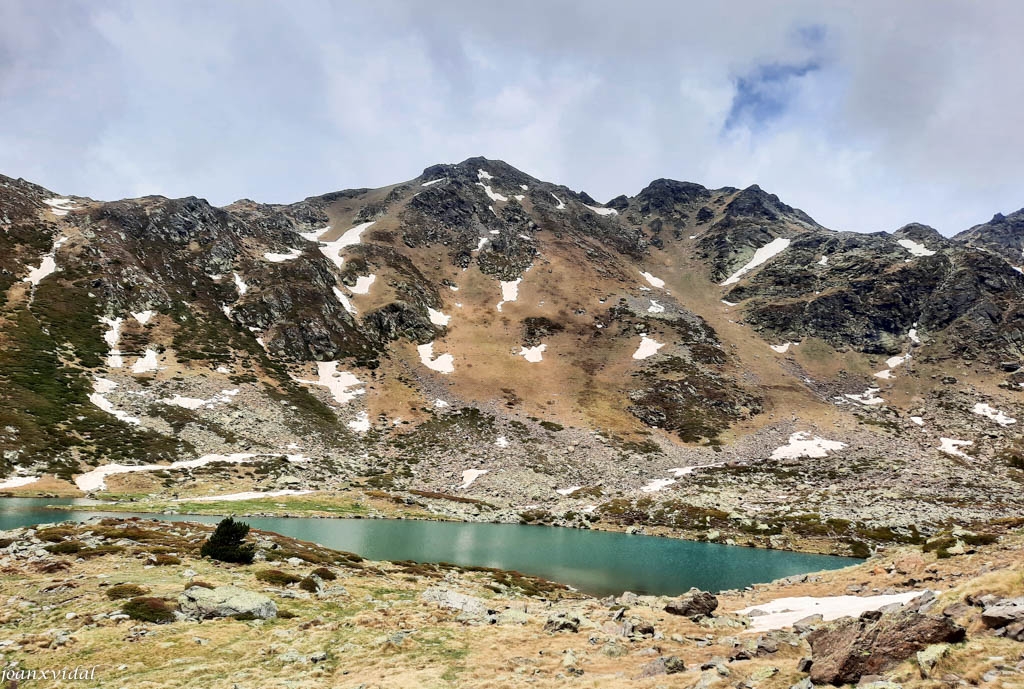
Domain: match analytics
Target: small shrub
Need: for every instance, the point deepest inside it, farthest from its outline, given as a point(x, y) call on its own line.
point(200, 584)
point(65, 547)
point(286, 614)
point(227, 543)
point(309, 584)
point(122, 591)
point(277, 577)
point(325, 574)
point(164, 560)
point(55, 534)
point(859, 549)
point(148, 609)
point(100, 550)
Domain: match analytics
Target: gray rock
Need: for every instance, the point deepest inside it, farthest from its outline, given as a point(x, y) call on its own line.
point(695, 603)
point(1004, 612)
point(198, 602)
point(456, 601)
point(562, 622)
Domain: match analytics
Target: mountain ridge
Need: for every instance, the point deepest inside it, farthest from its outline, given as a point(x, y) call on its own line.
point(476, 331)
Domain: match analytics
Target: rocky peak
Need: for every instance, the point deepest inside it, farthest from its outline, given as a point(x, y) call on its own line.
point(1002, 235)
point(923, 234)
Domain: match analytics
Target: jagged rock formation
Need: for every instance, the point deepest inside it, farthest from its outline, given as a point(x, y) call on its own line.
point(545, 340)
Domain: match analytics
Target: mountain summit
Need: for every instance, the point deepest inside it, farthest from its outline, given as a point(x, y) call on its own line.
point(478, 332)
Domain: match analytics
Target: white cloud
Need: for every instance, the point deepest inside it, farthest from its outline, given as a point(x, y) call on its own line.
point(907, 111)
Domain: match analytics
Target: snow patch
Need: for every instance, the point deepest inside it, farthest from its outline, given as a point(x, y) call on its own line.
point(471, 475)
point(483, 174)
point(101, 386)
point(445, 363)
point(568, 491)
point(602, 211)
point(653, 281)
point(47, 265)
point(248, 495)
point(952, 447)
point(17, 482)
point(143, 316)
point(648, 347)
point(96, 479)
point(509, 291)
point(894, 361)
point(762, 255)
point(533, 354)
point(343, 385)
point(868, 397)
point(491, 194)
point(433, 182)
point(983, 409)
point(501, 441)
point(340, 296)
point(361, 424)
point(561, 204)
point(913, 336)
point(281, 258)
point(240, 284)
point(438, 317)
point(112, 337)
point(332, 250)
point(679, 472)
point(783, 612)
point(784, 347)
point(147, 363)
point(363, 283)
point(223, 397)
point(823, 261)
point(915, 248)
point(918, 420)
point(802, 444)
point(655, 307)
point(314, 236)
point(658, 484)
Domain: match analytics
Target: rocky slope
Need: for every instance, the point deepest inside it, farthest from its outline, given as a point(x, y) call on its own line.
point(131, 603)
point(477, 332)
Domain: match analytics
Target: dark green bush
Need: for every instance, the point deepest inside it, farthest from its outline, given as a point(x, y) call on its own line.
point(65, 547)
point(227, 543)
point(277, 577)
point(122, 591)
point(148, 609)
point(325, 574)
point(309, 584)
point(163, 560)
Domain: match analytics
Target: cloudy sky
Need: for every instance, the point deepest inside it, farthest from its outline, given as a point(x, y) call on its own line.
point(866, 114)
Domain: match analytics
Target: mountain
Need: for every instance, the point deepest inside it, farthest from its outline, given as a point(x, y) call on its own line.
point(702, 361)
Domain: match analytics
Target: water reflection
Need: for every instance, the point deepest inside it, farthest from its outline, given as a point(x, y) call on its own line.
point(592, 561)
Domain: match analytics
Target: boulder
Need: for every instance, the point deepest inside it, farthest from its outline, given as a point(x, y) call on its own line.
point(929, 657)
point(455, 601)
point(1003, 612)
point(849, 648)
point(225, 601)
point(695, 603)
point(562, 622)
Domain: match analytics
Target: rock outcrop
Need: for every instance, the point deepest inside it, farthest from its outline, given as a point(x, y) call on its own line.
point(225, 601)
point(845, 650)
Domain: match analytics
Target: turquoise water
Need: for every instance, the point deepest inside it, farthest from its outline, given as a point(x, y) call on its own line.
point(596, 562)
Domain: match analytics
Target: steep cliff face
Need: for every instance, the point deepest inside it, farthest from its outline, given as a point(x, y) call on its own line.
point(476, 316)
